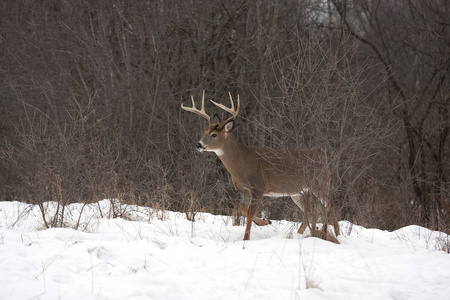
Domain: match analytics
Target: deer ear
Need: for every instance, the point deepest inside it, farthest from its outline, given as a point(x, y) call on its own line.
point(215, 119)
point(229, 126)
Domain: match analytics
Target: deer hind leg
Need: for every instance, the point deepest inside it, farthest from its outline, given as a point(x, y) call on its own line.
point(329, 216)
point(305, 223)
point(302, 202)
point(334, 221)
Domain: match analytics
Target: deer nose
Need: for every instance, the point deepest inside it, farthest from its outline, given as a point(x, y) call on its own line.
point(199, 147)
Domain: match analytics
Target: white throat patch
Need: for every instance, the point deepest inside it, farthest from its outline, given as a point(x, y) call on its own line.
point(219, 152)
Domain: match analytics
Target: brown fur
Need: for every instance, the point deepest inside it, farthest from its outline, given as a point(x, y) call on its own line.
point(256, 171)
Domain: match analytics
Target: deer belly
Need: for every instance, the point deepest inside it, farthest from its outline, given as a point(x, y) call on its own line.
point(277, 195)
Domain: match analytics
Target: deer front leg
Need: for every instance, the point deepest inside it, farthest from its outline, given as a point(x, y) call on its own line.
point(249, 207)
point(258, 221)
point(251, 211)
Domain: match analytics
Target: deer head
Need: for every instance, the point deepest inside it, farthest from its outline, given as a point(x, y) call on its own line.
point(216, 135)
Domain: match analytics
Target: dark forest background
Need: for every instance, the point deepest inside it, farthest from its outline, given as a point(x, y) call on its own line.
point(91, 91)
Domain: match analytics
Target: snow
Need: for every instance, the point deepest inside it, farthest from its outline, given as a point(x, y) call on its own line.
point(149, 254)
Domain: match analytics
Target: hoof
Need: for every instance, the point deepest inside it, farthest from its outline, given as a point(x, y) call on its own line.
point(268, 221)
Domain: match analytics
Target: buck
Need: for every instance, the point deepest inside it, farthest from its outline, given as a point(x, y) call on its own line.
point(258, 172)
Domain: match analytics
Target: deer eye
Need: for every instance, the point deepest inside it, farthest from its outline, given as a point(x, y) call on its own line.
point(214, 135)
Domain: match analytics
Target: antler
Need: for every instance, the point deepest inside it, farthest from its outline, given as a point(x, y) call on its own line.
point(195, 110)
point(231, 110)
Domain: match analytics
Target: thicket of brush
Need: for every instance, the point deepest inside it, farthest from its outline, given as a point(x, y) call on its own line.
point(91, 94)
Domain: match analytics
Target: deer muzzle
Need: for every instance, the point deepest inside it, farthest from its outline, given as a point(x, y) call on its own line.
point(199, 147)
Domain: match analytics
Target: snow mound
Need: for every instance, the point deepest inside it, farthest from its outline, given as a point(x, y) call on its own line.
point(110, 251)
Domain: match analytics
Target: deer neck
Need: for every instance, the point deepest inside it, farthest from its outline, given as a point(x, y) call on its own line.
point(232, 155)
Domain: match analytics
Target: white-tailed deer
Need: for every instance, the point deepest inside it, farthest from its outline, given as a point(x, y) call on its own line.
point(257, 172)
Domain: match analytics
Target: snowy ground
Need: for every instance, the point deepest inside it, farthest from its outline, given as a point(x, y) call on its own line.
point(144, 257)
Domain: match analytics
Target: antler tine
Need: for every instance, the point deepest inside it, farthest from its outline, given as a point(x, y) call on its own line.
point(194, 109)
point(231, 110)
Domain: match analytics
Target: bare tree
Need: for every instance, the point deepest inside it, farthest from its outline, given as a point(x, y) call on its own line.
point(411, 41)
